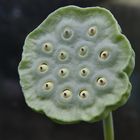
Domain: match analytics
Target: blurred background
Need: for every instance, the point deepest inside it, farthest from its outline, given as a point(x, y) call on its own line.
point(17, 121)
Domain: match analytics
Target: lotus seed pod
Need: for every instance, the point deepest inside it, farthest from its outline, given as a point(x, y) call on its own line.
point(76, 65)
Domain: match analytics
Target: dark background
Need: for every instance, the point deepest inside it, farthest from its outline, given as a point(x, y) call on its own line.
point(17, 121)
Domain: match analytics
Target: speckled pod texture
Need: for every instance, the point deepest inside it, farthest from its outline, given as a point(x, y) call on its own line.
point(76, 65)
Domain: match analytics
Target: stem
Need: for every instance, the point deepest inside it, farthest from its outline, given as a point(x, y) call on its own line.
point(108, 127)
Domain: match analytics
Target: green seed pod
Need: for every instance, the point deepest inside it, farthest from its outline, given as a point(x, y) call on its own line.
point(89, 62)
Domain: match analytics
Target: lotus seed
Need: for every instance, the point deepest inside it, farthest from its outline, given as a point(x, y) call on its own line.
point(101, 81)
point(63, 72)
point(48, 86)
point(63, 55)
point(91, 31)
point(43, 67)
point(83, 51)
point(48, 47)
point(67, 33)
point(104, 54)
point(84, 72)
point(66, 93)
point(83, 94)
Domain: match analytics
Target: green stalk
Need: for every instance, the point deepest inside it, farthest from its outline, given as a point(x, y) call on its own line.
point(108, 127)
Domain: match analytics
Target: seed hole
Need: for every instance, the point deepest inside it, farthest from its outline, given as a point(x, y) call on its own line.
point(62, 71)
point(65, 94)
point(84, 71)
point(66, 32)
point(62, 54)
point(47, 85)
point(82, 49)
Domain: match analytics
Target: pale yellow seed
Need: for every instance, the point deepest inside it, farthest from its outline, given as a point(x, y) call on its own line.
point(104, 54)
point(62, 55)
point(63, 72)
point(83, 94)
point(48, 86)
point(84, 72)
point(102, 81)
point(48, 47)
point(43, 67)
point(67, 33)
point(92, 31)
point(83, 51)
point(66, 93)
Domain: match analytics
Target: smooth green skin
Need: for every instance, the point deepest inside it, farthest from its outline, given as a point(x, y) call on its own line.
point(108, 127)
point(116, 69)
